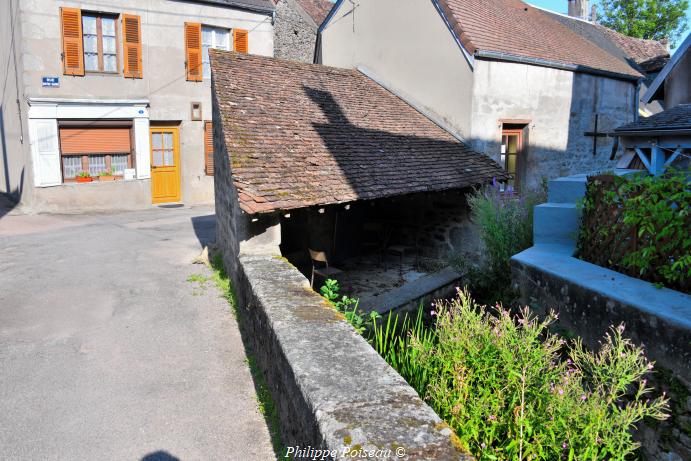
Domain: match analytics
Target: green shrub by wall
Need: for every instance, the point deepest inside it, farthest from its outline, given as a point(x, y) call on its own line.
point(640, 226)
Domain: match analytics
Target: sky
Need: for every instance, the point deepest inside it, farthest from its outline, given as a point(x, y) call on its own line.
point(560, 6)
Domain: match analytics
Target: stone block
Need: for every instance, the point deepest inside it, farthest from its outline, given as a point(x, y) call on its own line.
point(556, 223)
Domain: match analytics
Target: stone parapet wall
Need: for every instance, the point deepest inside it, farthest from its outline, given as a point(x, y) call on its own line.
point(332, 390)
point(589, 299)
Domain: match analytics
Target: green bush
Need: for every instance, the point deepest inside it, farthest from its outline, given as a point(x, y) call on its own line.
point(346, 306)
point(509, 388)
point(512, 390)
point(505, 224)
point(640, 226)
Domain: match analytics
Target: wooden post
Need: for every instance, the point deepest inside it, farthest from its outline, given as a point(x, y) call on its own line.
point(657, 160)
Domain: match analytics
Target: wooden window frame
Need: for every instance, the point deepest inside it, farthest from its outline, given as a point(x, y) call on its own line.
point(520, 153)
point(214, 45)
point(99, 42)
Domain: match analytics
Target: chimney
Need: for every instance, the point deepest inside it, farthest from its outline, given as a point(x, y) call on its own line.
point(593, 14)
point(578, 9)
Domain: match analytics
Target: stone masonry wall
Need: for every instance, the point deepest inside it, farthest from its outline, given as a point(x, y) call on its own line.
point(295, 33)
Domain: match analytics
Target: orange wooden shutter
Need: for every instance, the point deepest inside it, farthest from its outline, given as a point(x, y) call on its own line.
point(193, 51)
point(132, 45)
point(241, 40)
point(72, 45)
point(209, 147)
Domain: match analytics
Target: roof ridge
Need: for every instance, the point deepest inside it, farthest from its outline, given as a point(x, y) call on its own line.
point(481, 25)
point(284, 61)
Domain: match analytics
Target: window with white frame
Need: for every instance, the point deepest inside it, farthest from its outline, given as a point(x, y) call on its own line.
point(213, 37)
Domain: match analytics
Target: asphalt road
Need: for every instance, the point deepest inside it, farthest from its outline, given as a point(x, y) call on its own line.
point(107, 352)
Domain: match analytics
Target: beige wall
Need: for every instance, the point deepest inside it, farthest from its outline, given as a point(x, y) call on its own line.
point(14, 174)
point(678, 83)
point(560, 105)
point(407, 46)
point(164, 81)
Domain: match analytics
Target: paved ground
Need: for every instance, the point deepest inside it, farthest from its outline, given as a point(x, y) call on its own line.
point(107, 352)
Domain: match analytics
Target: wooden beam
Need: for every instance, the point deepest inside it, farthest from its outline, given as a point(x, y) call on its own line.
point(643, 158)
point(671, 158)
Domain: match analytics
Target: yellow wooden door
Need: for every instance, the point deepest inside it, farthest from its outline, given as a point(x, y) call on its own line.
point(165, 165)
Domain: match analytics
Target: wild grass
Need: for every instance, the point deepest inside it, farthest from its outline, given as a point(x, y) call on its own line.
point(512, 390)
point(505, 224)
point(265, 402)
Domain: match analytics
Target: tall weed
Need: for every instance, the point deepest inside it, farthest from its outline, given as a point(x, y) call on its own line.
point(505, 223)
point(512, 390)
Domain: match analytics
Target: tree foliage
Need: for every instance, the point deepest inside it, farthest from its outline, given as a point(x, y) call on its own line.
point(649, 19)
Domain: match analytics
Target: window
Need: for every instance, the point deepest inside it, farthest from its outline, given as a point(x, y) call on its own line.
point(73, 164)
point(213, 37)
point(162, 151)
point(511, 153)
point(100, 43)
point(95, 149)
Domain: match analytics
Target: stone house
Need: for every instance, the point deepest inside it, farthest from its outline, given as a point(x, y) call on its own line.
point(119, 87)
point(296, 26)
point(647, 56)
point(673, 84)
point(303, 160)
point(510, 79)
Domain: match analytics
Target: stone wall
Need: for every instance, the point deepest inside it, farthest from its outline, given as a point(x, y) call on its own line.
point(332, 390)
point(295, 32)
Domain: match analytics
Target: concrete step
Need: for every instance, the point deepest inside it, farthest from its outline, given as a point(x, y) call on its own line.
point(569, 189)
point(556, 223)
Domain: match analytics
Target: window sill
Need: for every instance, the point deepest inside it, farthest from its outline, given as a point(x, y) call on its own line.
point(74, 182)
point(102, 74)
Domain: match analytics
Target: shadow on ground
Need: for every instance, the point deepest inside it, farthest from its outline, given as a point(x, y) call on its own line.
point(160, 456)
point(205, 229)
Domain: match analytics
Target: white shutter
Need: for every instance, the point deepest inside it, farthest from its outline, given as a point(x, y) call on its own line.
point(45, 152)
point(142, 147)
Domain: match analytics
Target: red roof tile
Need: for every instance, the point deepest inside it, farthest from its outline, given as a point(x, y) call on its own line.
point(301, 135)
point(643, 52)
point(515, 28)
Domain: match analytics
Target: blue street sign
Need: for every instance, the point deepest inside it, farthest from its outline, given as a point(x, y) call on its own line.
point(53, 82)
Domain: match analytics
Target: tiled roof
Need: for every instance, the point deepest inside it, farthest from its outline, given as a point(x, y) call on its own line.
point(514, 28)
point(649, 55)
point(317, 9)
point(640, 50)
point(301, 134)
point(676, 118)
point(263, 5)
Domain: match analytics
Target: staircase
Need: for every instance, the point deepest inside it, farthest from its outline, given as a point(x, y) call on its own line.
point(556, 222)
